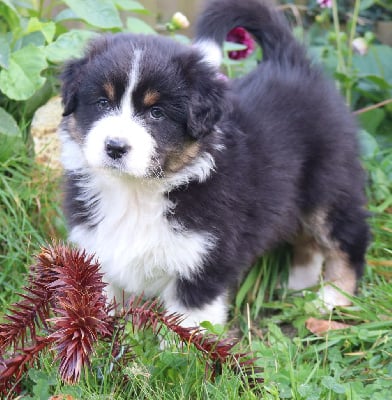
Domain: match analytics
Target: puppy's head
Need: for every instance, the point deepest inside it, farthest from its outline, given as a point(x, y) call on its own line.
point(141, 105)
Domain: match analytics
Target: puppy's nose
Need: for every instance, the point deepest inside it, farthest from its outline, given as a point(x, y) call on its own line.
point(115, 148)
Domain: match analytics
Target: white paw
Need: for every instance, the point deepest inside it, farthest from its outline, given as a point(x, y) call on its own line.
point(331, 298)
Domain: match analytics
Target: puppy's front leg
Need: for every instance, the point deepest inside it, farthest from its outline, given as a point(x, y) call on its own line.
point(214, 311)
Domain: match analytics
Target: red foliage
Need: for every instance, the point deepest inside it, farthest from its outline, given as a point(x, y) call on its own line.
point(68, 283)
point(64, 298)
point(216, 351)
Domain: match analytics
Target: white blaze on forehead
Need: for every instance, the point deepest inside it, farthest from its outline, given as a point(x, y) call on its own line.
point(134, 73)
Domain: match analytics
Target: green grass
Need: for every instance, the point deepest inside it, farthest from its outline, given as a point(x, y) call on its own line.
point(29, 216)
point(355, 363)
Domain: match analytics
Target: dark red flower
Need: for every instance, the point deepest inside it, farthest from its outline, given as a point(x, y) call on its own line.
point(241, 36)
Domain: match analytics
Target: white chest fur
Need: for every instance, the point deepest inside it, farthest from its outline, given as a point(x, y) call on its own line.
point(139, 249)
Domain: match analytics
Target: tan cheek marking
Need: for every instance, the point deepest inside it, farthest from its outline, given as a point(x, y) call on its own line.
point(150, 98)
point(179, 159)
point(110, 91)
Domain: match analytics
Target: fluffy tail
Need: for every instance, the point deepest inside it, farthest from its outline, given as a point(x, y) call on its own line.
point(261, 19)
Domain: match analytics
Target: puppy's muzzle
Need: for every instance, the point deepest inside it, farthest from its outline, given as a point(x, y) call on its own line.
point(116, 148)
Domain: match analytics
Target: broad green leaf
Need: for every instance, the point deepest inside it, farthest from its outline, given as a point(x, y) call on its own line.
point(68, 45)
point(36, 39)
point(99, 13)
point(8, 125)
point(366, 4)
point(5, 51)
point(10, 136)
point(48, 29)
point(41, 390)
point(379, 81)
point(129, 5)
point(9, 14)
point(376, 62)
point(65, 15)
point(136, 25)
point(9, 4)
point(23, 76)
point(216, 329)
point(330, 383)
point(368, 144)
point(37, 375)
point(371, 120)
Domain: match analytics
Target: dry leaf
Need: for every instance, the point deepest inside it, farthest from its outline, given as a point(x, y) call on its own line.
point(321, 326)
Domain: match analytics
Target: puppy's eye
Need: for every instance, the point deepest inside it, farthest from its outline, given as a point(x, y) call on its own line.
point(104, 104)
point(156, 113)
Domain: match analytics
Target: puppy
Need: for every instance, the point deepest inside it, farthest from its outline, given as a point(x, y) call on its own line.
point(178, 180)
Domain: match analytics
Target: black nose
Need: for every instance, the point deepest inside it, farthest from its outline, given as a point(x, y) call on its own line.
point(116, 148)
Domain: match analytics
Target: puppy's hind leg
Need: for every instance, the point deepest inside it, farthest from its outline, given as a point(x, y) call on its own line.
point(307, 263)
point(345, 254)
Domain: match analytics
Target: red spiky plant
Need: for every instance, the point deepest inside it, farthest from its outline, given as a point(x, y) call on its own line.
point(64, 301)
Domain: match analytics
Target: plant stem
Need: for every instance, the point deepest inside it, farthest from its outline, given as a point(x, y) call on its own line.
point(354, 22)
point(373, 107)
point(340, 66)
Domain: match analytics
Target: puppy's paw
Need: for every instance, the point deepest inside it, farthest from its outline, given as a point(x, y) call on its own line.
point(329, 298)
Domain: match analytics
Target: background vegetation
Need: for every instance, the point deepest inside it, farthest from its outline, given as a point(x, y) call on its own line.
point(296, 360)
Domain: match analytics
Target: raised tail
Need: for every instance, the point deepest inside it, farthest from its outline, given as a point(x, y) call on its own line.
point(260, 18)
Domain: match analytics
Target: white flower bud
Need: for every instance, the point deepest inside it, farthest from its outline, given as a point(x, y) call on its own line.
point(180, 21)
point(360, 45)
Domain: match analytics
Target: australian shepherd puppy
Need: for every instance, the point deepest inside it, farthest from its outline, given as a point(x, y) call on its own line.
point(178, 180)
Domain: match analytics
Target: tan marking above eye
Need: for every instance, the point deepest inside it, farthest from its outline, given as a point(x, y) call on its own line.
point(110, 91)
point(150, 97)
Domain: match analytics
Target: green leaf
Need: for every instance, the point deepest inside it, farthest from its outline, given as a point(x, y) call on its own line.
point(231, 46)
point(216, 329)
point(5, 51)
point(129, 5)
point(379, 81)
point(36, 39)
point(8, 125)
point(23, 76)
point(136, 25)
point(65, 15)
point(330, 383)
point(48, 29)
point(99, 13)
point(364, 4)
point(372, 119)
point(9, 4)
point(43, 381)
point(37, 375)
point(69, 45)
point(10, 136)
point(10, 14)
point(41, 390)
point(376, 62)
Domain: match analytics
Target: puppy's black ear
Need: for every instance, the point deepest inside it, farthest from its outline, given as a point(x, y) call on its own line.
point(207, 97)
point(71, 78)
point(205, 109)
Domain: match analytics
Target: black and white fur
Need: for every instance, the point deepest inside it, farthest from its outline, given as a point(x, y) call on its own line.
point(178, 180)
